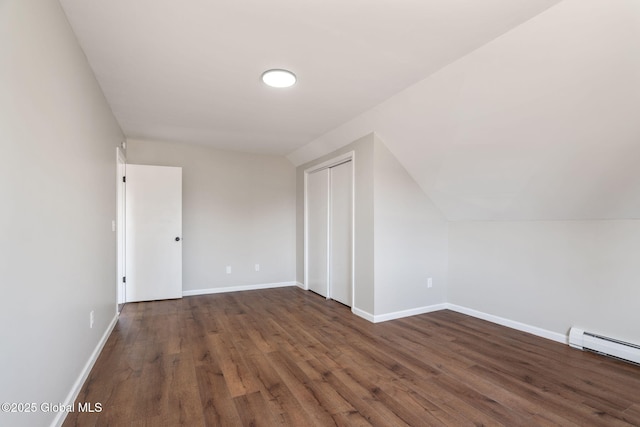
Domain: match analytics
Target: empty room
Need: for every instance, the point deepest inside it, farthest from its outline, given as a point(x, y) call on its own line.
point(319, 213)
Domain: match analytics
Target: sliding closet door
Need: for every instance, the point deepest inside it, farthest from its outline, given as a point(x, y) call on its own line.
point(340, 236)
point(317, 231)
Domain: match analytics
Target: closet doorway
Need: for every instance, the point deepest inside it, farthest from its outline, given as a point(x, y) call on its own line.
point(329, 200)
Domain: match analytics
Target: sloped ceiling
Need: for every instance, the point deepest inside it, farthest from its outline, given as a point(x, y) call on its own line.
point(540, 124)
point(189, 71)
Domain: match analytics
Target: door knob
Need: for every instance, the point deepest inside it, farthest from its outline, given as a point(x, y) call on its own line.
point(177, 239)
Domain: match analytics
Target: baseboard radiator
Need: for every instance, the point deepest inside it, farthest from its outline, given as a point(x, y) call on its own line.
point(582, 340)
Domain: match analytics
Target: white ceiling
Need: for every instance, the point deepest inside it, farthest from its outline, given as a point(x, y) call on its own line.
point(539, 124)
point(189, 71)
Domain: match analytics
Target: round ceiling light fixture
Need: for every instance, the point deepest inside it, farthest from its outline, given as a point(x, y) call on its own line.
point(279, 78)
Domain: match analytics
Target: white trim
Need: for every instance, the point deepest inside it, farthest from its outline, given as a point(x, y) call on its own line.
point(329, 229)
point(364, 314)
point(301, 286)
point(353, 228)
point(238, 288)
point(335, 161)
point(410, 312)
point(84, 374)
point(121, 268)
point(534, 330)
point(305, 232)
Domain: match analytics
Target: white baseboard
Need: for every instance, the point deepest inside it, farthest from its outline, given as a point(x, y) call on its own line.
point(364, 314)
point(396, 314)
point(238, 288)
point(77, 386)
point(301, 286)
point(534, 330)
point(406, 313)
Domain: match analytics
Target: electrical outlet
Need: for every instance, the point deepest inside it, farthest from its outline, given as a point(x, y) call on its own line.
point(228, 269)
point(429, 282)
point(257, 267)
point(91, 319)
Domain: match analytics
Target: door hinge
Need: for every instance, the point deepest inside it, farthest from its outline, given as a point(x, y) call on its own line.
point(124, 279)
point(124, 179)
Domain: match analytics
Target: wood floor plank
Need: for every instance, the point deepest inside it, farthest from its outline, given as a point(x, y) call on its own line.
point(286, 357)
point(152, 389)
point(365, 400)
point(331, 398)
point(230, 363)
point(253, 411)
point(302, 389)
point(401, 409)
point(632, 415)
point(280, 399)
point(350, 419)
point(183, 406)
point(317, 389)
point(218, 407)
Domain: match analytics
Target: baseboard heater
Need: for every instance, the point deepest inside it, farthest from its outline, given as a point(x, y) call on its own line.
point(604, 345)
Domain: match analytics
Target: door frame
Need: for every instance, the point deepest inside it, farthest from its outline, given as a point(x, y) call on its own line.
point(335, 161)
point(121, 162)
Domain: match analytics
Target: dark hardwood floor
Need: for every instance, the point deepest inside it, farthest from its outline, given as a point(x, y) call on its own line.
point(289, 357)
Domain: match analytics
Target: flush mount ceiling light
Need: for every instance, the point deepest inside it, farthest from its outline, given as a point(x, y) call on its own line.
point(279, 78)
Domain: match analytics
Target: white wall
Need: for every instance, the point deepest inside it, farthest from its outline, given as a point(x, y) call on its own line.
point(58, 140)
point(550, 274)
point(400, 236)
point(238, 210)
point(410, 239)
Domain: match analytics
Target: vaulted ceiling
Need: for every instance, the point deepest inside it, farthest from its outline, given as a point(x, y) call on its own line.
point(189, 71)
point(499, 109)
point(539, 124)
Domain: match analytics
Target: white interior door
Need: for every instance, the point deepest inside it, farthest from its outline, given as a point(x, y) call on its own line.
point(340, 235)
point(153, 233)
point(120, 227)
point(317, 231)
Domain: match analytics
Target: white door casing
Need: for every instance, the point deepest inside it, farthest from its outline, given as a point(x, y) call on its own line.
point(153, 233)
point(120, 227)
